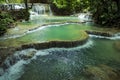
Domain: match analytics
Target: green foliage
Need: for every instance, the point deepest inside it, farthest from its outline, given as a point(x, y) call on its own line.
point(2, 1)
point(67, 7)
point(106, 12)
point(5, 21)
point(20, 14)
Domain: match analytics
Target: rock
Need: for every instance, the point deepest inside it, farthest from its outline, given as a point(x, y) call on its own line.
point(1, 71)
point(5, 52)
point(117, 45)
point(29, 55)
point(50, 44)
point(100, 33)
point(101, 72)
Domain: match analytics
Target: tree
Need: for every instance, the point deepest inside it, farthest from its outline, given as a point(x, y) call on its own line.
point(68, 7)
point(26, 8)
point(118, 5)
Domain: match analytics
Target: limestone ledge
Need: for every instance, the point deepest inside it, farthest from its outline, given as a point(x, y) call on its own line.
point(99, 33)
point(53, 44)
point(7, 51)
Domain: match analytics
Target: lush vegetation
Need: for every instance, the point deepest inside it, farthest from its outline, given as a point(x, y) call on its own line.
point(68, 7)
point(5, 22)
point(7, 19)
point(105, 12)
point(11, 1)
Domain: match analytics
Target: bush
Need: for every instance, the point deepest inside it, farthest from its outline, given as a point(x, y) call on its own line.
point(5, 21)
point(20, 14)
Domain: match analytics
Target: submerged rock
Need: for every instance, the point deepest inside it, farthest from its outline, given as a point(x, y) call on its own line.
point(5, 52)
point(101, 72)
point(29, 55)
point(117, 45)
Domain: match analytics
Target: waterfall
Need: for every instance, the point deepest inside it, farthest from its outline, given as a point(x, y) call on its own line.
point(39, 9)
point(5, 7)
point(50, 11)
point(85, 17)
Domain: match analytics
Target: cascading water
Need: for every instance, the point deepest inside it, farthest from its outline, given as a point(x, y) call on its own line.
point(114, 37)
point(61, 63)
point(50, 11)
point(14, 65)
point(83, 17)
point(39, 9)
point(11, 6)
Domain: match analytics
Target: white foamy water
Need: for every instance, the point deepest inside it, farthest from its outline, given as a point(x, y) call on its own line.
point(85, 17)
point(114, 37)
point(15, 71)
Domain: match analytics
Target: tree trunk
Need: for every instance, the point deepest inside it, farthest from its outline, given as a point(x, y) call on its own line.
point(26, 5)
point(26, 10)
point(118, 5)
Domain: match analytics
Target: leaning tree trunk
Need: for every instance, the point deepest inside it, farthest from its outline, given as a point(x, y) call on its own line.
point(118, 5)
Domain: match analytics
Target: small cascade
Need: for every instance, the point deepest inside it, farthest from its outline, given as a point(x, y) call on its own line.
point(85, 17)
point(13, 59)
point(39, 9)
point(114, 37)
point(50, 11)
point(117, 36)
point(19, 7)
point(6, 7)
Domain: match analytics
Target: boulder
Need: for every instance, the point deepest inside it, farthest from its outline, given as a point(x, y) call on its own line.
point(28, 55)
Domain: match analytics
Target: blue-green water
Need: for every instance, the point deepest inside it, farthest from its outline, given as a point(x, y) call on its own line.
point(49, 33)
point(62, 63)
point(66, 63)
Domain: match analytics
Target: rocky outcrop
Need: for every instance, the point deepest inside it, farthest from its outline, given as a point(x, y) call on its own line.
point(5, 52)
point(101, 72)
point(100, 33)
